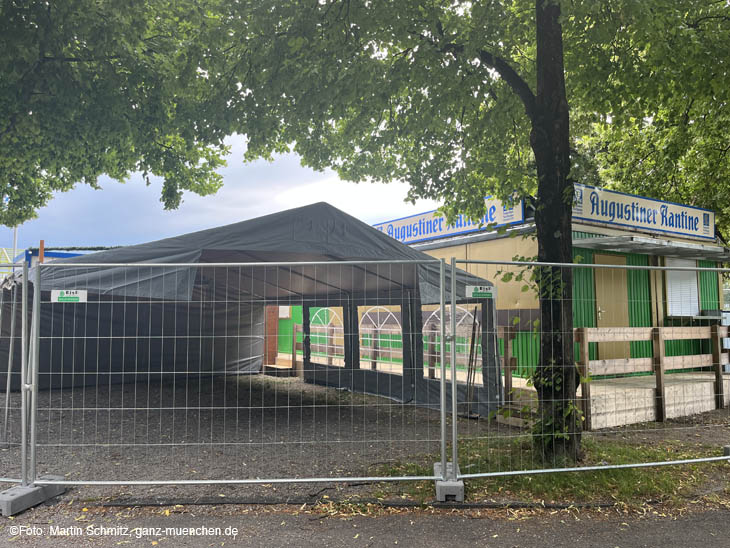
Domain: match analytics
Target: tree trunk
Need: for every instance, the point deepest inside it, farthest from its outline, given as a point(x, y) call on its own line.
point(557, 431)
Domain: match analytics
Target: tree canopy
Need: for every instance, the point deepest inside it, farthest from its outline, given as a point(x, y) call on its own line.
point(390, 90)
point(413, 90)
point(657, 105)
point(467, 99)
point(91, 87)
point(461, 99)
point(400, 90)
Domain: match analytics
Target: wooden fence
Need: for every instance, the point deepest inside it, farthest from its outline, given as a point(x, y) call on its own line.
point(658, 364)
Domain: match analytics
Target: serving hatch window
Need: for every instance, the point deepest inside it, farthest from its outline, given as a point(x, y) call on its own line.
point(682, 288)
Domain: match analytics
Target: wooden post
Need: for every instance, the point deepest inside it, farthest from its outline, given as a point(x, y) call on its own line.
point(306, 339)
point(42, 251)
point(717, 366)
point(296, 365)
point(581, 337)
point(271, 341)
point(374, 349)
point(657, 338)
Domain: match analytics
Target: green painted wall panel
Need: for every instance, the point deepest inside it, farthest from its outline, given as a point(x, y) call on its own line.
point(584, 294)
point(286, 326)
point(709, 288)
point(577, 235)
point(285, 329)
point(683, 347)
point(526, 348)
point(639, 295)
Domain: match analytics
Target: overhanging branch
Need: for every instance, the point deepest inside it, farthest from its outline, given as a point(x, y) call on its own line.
point(514, 80)
point(516, 83)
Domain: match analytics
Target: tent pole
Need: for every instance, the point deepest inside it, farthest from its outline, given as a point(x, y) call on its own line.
point(352, 338)
point(407, 346)
point(306, 340)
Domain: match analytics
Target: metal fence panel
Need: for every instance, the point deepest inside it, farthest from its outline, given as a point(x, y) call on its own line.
point(138, 387)
point(650, 348)
point(13, 353)
point(168, 376)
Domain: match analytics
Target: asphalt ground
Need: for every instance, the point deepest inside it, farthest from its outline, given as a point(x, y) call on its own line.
point(64, 523)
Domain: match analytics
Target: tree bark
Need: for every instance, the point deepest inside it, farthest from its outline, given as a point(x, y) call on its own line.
point(557, 431)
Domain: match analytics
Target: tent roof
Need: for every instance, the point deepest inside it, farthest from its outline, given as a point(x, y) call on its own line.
point(312, 233)
point(309, 233)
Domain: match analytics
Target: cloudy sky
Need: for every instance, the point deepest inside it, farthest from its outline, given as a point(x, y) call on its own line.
point(130, 213)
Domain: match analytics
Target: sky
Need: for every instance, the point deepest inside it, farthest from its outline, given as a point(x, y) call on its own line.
point(131, 212)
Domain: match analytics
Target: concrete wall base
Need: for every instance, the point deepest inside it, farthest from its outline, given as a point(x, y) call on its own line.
point(19, 498)
point(448, 490)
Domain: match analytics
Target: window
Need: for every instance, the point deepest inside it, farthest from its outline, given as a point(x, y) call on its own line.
point(682, 294)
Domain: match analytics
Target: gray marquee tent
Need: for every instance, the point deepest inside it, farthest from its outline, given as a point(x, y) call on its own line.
point(189, 316)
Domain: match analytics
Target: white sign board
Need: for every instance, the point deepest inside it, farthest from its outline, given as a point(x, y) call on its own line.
point(481, 292)
point(428, 226)
point(613, 208)
point(68, 296)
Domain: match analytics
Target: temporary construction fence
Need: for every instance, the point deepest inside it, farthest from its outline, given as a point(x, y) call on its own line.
point(650, 347)
point(16, 407)
point(136, 381)
point(128, 374)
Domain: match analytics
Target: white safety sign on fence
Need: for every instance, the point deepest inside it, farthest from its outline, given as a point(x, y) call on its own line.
point(481, 292)
point(68, 296)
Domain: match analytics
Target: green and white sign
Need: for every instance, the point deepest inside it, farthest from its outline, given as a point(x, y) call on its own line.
point(68, 296)
point(481, 292)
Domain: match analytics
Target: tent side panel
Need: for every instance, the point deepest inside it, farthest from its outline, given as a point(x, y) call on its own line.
point(104, 343)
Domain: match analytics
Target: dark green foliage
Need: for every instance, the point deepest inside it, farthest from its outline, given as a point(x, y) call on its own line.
point(92, 87)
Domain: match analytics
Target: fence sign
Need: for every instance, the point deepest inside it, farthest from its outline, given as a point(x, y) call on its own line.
point(68, 296)
point(481, 292)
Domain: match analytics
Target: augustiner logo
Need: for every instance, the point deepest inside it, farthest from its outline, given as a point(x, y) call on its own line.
point(68, 296)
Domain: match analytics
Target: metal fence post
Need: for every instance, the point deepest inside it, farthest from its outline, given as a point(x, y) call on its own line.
point(11, 352)
point(23, 374)
point(454, 391)
point(34, 362)
point(442, 303)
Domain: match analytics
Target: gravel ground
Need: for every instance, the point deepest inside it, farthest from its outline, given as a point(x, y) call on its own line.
point(257, 427)
point(710, 429)
point(225, 428)
point(276, 526)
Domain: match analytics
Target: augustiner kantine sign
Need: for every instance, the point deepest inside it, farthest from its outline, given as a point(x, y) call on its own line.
point(625, 210)
point(427, 226)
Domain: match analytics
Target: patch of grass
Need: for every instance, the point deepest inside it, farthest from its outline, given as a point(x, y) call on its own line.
point(632, 486)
